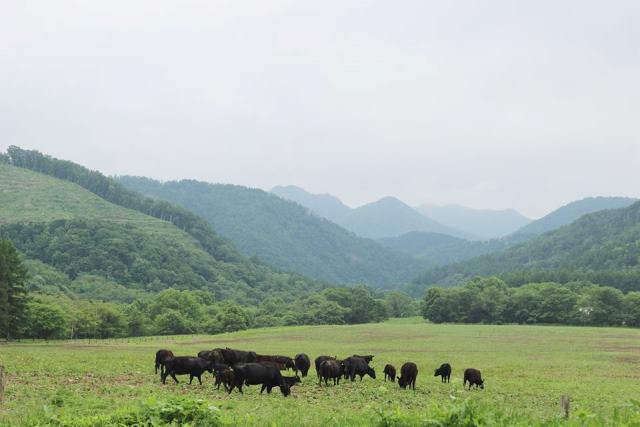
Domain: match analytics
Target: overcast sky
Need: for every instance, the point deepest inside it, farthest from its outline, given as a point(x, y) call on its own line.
point(483, 103)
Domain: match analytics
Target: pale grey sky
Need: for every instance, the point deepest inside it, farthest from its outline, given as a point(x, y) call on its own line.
point(523, 104)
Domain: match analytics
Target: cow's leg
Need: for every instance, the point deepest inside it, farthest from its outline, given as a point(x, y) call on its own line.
point(190, 378)
point(269, 389)
point(163, 378)
point(200, 379)
point(173, 375)
point(262, 388)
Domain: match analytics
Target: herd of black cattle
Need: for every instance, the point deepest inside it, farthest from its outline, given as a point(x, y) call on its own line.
point(237, 368)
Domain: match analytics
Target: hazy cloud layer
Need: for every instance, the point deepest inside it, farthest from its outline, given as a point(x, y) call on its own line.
point(485, 103)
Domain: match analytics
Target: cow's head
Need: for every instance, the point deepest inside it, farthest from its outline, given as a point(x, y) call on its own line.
point(285, 389)
point(402, 382)
point(371, 372)
point(437, 372)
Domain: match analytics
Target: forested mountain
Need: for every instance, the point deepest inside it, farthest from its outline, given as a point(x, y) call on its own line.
point(104, 238)
point(572, 211)
point(603, 247)
point(387, 217)
point(285, 234)
point(440, 249)
point(323, 205)
point(484, 223)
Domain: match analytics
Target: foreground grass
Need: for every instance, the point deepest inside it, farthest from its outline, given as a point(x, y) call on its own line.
point(526, 369)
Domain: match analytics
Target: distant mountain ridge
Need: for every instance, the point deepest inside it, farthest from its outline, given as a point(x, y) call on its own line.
point(323, 205)
point(573, 211)
point(603, 247)
point(284, 234)
point(484, 223)
point(387, 217)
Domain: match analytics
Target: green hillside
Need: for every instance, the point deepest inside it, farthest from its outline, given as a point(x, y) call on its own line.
point(284, 234)
point(437, 249)
point(572, 211)
point(603, 247)
point(73, 233)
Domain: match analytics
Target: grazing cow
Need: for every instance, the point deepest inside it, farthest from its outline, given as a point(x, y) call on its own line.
point(302, 363)
point(368, 358)
point(283, 360)
point(330, 368)
point(474, 377)
point(357, 366)
point(255, 374)
point(183, 365)
point(444, 371)
point(231, 356)
point(161, 357)
point(319, 361)
point(390, 372)
point(408, 374)
point(224, 375)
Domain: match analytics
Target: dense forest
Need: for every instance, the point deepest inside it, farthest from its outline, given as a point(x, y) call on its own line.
point(602, 247)
point(284, 234)
point(491, 300)
point(29, 311)
point(436, 249)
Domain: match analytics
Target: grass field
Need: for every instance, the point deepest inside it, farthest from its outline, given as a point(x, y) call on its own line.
point(526, 369)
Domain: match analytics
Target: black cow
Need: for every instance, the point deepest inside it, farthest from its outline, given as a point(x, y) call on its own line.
point(231, 356)
point(183, 365)
point(161, 356)
point(291, 381)
point(302, 363)
point(283, 360)
point(444, 371)
point(357, 366)
point(224, 375)
point(368, 358)
point(254, 374)
point(474, 377)
point(330, 368)
point(278, 366)
point(319, 361)
point(390, 372)
point(408, 374)
point(214, 355)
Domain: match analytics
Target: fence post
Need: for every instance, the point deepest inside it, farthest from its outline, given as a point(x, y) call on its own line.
point(565, 401)
point(3, 381)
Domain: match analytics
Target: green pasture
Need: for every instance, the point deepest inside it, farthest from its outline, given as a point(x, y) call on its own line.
point(526, 370)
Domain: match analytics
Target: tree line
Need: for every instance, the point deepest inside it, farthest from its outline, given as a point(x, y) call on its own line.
point(172, 311)
point(490, 300)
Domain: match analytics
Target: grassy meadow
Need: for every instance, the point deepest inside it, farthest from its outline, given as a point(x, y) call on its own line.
point(526, 370)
